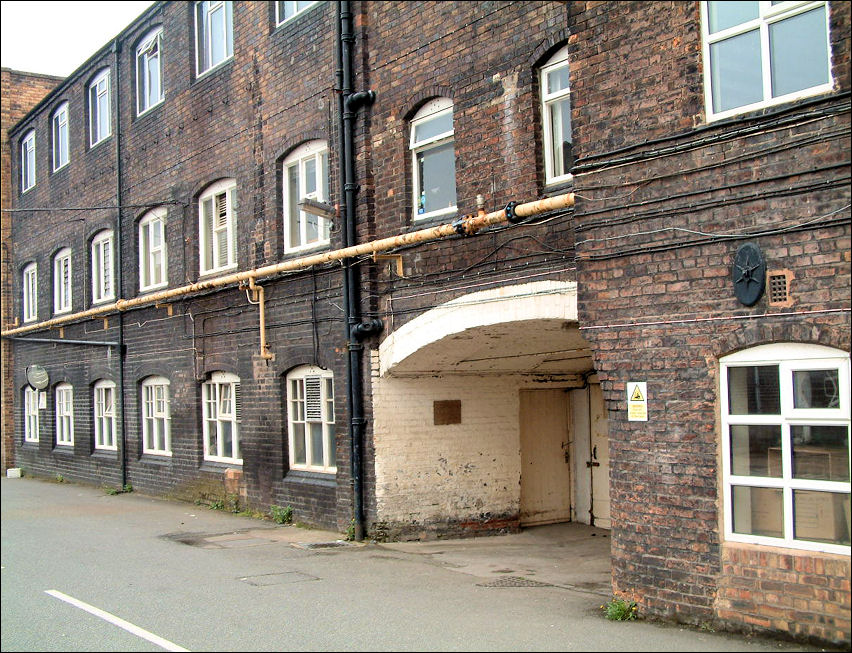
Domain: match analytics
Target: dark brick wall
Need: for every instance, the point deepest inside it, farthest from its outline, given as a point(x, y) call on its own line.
point(664, 200)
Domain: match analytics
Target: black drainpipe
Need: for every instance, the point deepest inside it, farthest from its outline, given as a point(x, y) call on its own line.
point(356, 331)
point(119, 263)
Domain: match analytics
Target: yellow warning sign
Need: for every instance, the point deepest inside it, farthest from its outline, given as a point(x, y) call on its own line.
point(637, 401)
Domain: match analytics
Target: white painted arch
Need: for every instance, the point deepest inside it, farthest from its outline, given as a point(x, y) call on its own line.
point(540, 302)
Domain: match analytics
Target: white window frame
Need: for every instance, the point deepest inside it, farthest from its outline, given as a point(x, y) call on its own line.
point(64, 395)
point(788, 357)
point(100, 108)
point(103, 267)
point(433, 109)
point(29, 280)
point(62, 281)
point(28, 161)
point(310, 400)
point(217, 242)
point(150, 48)
point(156, 417)
point(296, 8)
point(768, 14)
point(220, 401)
point(153, 260)
point(61, 137)
point(104, 401)
point(317, 152)
point(206, 31)
point(548, 102)
point(31, 427)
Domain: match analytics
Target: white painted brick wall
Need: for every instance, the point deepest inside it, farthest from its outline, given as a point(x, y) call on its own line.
point(426, 472)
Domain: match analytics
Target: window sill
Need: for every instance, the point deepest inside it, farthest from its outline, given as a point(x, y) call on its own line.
point(210, 72)
point(64, 449)
point(92, 146)
point(304, 477)
point(160, 460)
point(150, 110)
point(219, 467)
point(105, 454)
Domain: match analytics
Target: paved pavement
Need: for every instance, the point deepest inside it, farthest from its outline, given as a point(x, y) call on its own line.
point(86, 571)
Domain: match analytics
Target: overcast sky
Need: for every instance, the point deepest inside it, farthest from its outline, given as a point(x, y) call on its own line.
point(55, 38)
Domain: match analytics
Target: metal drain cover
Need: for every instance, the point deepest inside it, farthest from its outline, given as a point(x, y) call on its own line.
point(514, 581)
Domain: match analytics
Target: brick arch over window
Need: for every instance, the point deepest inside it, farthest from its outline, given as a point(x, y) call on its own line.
point(424, 95)
point(832, 332)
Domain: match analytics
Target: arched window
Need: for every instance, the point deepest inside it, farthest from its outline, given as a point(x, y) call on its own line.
point(156, 417)
point(59, 133)
point(100, 107)
point(103, 278)
point(64, 395)
point(433, 160)
point(221, 416)
point(305, 175)
point(310, 418)
point(62, 281)
point(31, 430)
point(785, 443)
point(28, 162)
point(149, 71)
point(104, 406)
point(214, 35)
point(556, 117)
point(153, 254)
point(217, 227)
point(29, 285)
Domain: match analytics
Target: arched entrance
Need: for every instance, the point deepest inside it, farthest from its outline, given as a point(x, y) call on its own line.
point(487, 414)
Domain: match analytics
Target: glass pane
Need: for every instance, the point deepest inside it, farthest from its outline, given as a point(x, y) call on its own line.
point(316, 443)
point(557, 80)
point(437, 168)
point(217, 35)
point(311, 227)
point(756, 450)
point(310, 176)
point(735, 71)
point(432, 127)
point(821, 516)
point(798, 52)
point(821, 452)
point(723, 15)
point(758, 510)
point(211, 438)
point(816, 389)
point(753, 390)
point(332, 448)
point(293, 197)
point(299, 444)
point(227, 434)
point(560, 126)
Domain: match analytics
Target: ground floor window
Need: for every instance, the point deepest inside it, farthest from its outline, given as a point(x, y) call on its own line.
point(104, 402)
point(310, 403)
point(64, 414)
point(221, 407)
point(786, 460)
point(30, 414)
point(156, 417)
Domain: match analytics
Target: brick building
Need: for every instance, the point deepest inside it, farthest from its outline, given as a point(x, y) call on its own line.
point(20, 92)
point(668, 359)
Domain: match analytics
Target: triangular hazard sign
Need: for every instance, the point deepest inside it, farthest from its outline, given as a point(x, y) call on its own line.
point(637, 394)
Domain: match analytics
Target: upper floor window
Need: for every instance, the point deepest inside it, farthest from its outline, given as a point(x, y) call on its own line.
point(785, 446)
point(104, 404)
point(59, 130)
point(156, 417)
point(64, 414)
point(30, 414)
point(214, 37)
point(758, 54)
point(556, 117)
point(305, 177)
point(28, 162)
point(286, 10)
point(62, 281)
point(221, 417)
point(30, 292)
point(99, 108)
point(217, 227)
point(310, 415)
point(149, 72)
point(102, 267)
point(433, 159)
point(153, 257)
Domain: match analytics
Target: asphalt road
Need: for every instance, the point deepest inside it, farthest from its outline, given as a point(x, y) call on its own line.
point(86, 571)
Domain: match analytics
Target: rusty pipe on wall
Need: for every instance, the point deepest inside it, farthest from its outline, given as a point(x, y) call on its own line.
point(467, 225)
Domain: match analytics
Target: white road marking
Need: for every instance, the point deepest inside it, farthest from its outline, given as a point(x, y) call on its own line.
point(117, 621)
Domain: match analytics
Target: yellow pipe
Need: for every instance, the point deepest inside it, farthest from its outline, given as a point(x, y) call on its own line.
point(468, 225)
point(259, 297)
